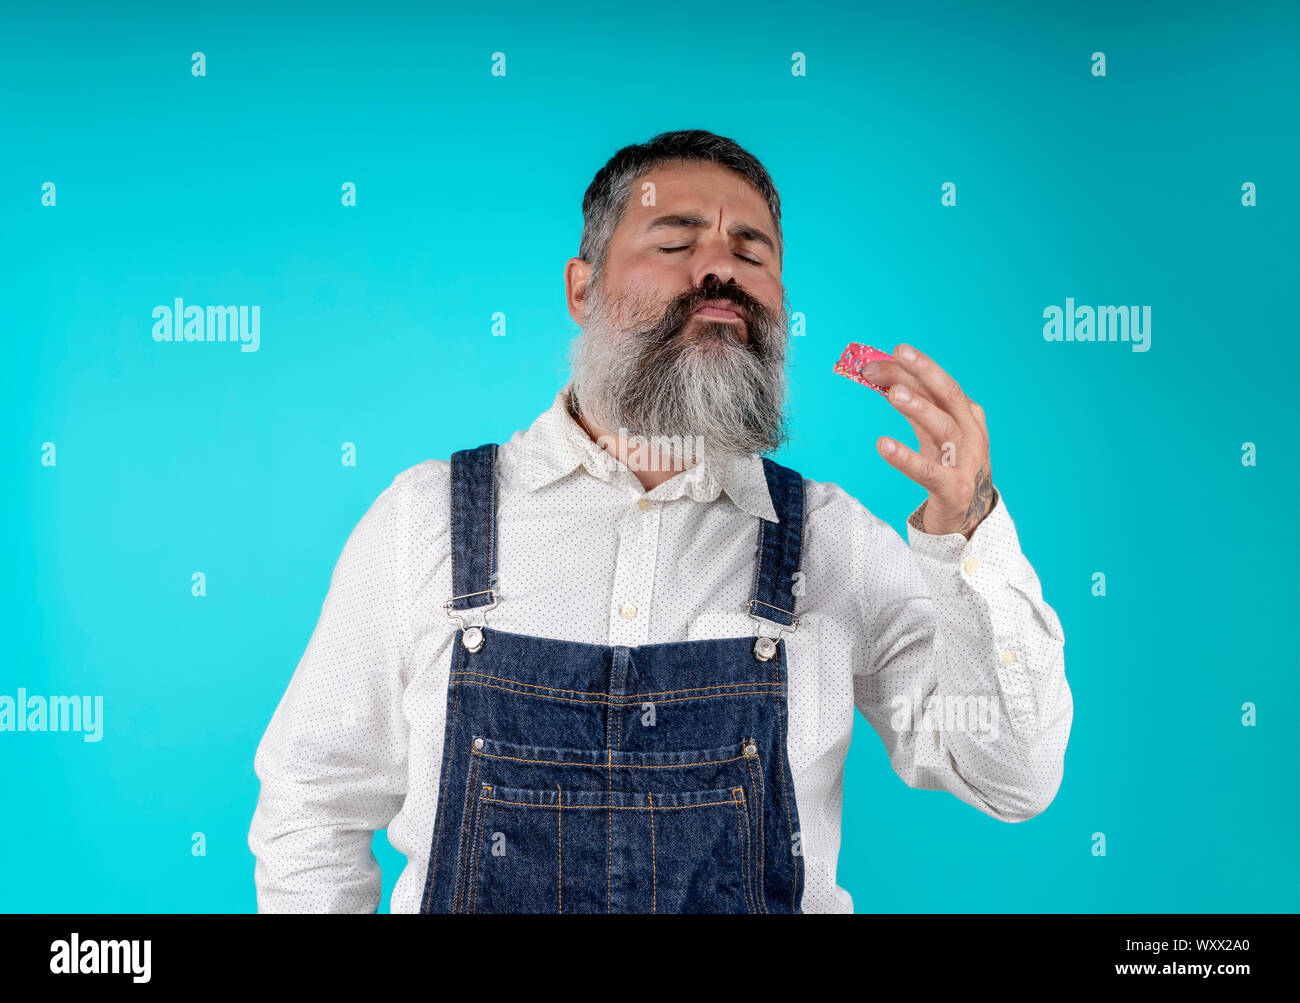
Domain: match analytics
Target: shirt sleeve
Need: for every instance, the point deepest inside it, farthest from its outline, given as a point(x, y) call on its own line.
point(332, 763)
point(964, 674)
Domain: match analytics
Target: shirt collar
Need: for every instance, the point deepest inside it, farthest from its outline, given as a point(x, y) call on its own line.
point(555, 445)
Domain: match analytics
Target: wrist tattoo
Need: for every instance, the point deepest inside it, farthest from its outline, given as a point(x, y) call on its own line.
point(980, 503)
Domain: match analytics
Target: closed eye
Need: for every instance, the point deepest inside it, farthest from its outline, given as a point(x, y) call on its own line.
point(683, 247)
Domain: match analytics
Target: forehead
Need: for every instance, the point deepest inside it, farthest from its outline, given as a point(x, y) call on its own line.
point(703, 188)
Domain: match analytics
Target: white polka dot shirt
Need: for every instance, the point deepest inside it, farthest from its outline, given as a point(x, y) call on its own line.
point(946, 647)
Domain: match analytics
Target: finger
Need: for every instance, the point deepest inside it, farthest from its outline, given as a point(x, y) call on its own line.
point(929, 422)
point(925, 472)
point(942, 433)
point(942, 388)
point(887, 373)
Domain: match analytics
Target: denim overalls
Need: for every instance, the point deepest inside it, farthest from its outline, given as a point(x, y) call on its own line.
point(611, 778)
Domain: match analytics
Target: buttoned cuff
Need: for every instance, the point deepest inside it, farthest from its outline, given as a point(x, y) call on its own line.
point(948, 559)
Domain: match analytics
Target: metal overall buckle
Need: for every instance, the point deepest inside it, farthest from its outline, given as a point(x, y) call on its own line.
point(765, 647)
point(471, 637)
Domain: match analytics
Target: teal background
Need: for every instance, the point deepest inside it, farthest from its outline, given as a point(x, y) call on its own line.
point(376, 330)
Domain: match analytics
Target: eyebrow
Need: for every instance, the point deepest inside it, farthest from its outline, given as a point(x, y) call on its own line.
point(678, 220)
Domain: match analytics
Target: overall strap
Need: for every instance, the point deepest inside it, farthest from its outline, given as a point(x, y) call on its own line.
point(780, 547)
point(473, 527)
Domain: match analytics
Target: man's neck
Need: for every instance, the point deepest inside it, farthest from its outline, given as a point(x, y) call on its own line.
point(651, 469)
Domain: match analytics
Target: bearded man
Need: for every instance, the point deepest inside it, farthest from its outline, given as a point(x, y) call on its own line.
point(611, 665)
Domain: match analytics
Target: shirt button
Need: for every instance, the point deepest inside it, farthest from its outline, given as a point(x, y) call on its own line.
point(643, 504)
point(972, 565)
point(628, 611)
point(1008, 657)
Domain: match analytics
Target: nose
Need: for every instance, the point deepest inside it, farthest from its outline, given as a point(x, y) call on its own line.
point(713, 257)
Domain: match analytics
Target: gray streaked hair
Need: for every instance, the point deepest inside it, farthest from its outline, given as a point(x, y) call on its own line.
point(610, 191)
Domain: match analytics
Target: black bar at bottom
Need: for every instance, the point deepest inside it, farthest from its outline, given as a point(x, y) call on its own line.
point(383, 953)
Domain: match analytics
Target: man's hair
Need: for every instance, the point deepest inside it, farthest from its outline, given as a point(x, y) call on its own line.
point(610, 191)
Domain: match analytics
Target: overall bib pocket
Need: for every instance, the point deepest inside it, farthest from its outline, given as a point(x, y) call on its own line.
point(577, 830)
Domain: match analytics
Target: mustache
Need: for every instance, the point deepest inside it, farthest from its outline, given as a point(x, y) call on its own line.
point(753, 314)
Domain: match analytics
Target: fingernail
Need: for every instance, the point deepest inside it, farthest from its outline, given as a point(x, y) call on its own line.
point(886, 445)
point(871, 369)
point(900, 393)
point(906, 353)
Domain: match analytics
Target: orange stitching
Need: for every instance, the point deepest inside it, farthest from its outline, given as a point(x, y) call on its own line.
point(472, 854)
point(559, 823)
point(654, 876)
point(609, 855)
point(472, 891)
point(774, 689)
point(467, 816)
point(749, 860)
point(762, 829)
point(630, 697)
point(624, 766)
point(613, 808)
point(744, 882)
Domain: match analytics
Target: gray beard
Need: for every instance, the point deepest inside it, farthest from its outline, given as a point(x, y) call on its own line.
point(653, 375)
